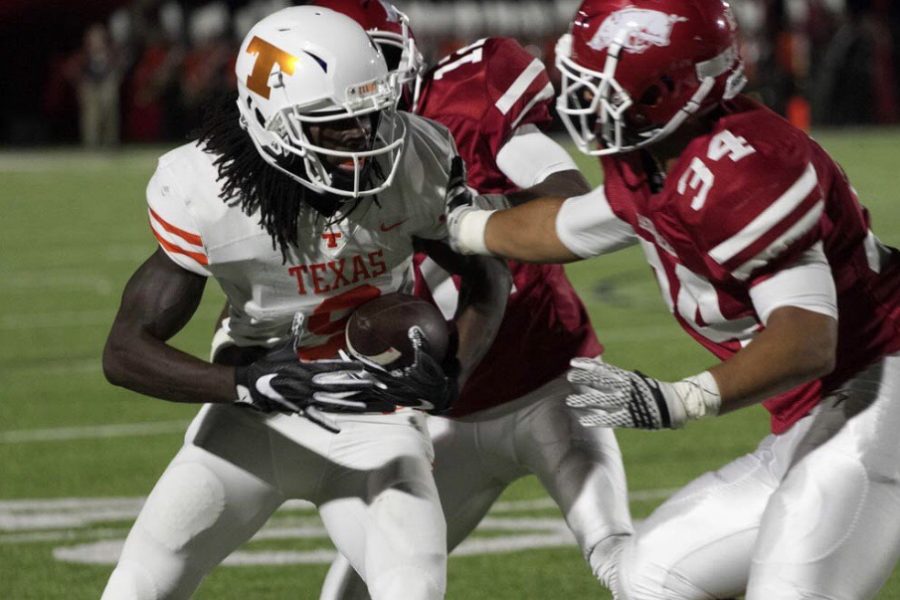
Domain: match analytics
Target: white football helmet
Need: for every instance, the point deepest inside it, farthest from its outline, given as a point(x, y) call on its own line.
point(308, 66)
point(390, 29)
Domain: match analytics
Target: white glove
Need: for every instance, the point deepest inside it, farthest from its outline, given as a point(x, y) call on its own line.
point(614, 397)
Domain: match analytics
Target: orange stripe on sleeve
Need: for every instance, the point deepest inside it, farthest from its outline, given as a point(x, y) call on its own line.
point(191, 238)
point(166, 244)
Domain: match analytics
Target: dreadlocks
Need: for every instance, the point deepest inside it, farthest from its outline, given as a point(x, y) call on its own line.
point(247, 180)
point(250, 182)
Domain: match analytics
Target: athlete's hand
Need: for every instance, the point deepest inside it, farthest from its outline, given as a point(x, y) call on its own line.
point(460, 202)
point(614, 397)
point(281, 382)
point(424, 385)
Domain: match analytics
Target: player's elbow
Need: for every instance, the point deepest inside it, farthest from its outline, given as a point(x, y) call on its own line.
point(821, 358)
point(497, 270)
point(810, 338)
point(486, 283)
point(818, 354)
point(114, 362)
point(496, 279)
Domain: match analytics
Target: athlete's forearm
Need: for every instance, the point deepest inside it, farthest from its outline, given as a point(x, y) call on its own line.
point(484, 291)
point(144, 365)
point(158, 301)
point(528, 233)
point(562, 184)
point(797, 346)
point(161, 371)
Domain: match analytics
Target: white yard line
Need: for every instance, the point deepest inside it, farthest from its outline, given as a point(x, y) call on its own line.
point(29, 521)
point(39, 520)
point(92, 432)
point(520, 535)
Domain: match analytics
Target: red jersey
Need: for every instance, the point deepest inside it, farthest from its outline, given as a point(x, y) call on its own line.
point(482, 93)
point(741, 203)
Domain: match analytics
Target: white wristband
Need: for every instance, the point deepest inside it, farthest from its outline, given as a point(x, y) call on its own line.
point(470, 232)
point(699, 395)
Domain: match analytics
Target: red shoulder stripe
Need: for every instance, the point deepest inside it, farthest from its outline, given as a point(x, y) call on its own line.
point(167, 245)
point(191, 238)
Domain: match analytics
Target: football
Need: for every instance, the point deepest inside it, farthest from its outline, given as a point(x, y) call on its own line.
point(378, 330)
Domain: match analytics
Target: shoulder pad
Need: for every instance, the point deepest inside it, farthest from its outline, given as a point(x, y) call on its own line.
point(173, 199)
point(748, 194)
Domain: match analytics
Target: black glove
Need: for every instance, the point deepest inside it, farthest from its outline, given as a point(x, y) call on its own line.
point(458, 192)
point(281, 382)
point(425, 384)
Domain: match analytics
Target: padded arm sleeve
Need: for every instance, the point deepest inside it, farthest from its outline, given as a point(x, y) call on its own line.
point(530, 156)
point(587, 226)
point(807, 283)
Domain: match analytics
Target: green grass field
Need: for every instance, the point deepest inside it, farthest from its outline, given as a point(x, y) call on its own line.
point(77, 455)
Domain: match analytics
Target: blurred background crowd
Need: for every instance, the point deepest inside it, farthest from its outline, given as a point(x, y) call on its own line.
point(105, 72)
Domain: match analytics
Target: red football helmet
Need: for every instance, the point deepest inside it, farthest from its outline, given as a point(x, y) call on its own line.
point(389, 28)
point(634, 70)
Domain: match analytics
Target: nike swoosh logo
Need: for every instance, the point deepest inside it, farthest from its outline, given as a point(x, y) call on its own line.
point(422, 405)
point(264, 386)
point(394, 226)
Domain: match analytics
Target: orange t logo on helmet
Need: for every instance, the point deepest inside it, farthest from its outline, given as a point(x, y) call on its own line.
point(267, 56)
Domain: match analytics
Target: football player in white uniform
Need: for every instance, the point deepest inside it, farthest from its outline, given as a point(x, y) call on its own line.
point(304, 199)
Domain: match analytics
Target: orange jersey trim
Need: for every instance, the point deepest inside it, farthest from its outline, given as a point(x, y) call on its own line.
point(191, 238)
point(167, 245)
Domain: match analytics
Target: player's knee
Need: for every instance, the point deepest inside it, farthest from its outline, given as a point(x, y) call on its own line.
point(643, 574)
point(603, 557)
point(188, 500)
point(409, 583)
point(342, 582)
point(130, 581)
point(159, 559)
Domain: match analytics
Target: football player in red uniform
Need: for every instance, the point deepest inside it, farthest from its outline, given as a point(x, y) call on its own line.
point(509, 420)
point(765, 256)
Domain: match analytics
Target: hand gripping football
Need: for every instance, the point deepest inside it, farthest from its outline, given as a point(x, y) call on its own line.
point(378, 331)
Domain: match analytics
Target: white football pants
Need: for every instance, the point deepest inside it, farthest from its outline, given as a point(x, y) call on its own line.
point(372, 483)
point(813, 513)
point(480, 455)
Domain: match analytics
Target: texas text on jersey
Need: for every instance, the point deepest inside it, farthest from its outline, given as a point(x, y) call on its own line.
point(483, 93)
point(335, 267)
point(742, 204)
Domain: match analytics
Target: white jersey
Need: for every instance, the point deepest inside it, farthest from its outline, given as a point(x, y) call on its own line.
point(334, 268)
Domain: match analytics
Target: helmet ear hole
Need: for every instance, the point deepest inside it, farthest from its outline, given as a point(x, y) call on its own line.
point(392, 56)
point(651, 96)
point(656, 93)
